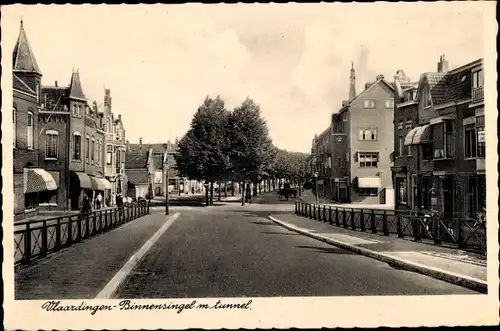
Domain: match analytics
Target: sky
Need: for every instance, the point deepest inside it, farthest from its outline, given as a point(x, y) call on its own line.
point(161, 61)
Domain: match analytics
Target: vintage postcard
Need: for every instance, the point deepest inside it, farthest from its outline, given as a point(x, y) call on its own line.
point(249, 166)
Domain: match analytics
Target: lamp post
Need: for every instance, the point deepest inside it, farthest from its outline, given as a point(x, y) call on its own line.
point(316, 180)
point(165, 168)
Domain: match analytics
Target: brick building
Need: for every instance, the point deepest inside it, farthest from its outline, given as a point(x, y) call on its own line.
point(138, 170)
point(448, 145)
point(321, 151)
point(32, 184)
point(362, 144)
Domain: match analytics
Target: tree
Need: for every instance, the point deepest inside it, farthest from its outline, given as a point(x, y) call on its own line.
point(203, 151)
point(252, 152)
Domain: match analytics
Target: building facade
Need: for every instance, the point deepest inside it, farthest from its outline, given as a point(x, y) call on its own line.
point(362, 145)
point(32, 184)
point(139, 170)
point(448, 143)
point(321, 150)
point(114, 149)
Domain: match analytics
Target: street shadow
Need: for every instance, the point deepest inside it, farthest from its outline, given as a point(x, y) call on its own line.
point(327, 250)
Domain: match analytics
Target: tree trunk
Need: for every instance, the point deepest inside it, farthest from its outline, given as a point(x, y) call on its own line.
point(206, 196)
point(225, 189)
point(211, 192)
point(242, 191)
point(248, 192)
point(260, 187)
point(219, 192)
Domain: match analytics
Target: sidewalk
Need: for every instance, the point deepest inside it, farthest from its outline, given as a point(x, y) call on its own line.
point(49, 214)
point(448, 264)
point(309, 197)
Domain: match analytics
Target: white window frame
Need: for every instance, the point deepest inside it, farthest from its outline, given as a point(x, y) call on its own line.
point(473, 147)
point(400, 145)
point(109, 155)
point(477, 79)
point(368, 134)
point(51, 133)
point(389, 104)
point(369, 104)
point(92, 150)
point(367, 191)
point(365, 154)
point(426, 96)
point(30, 127)
point(75, 110)
point(75, 134)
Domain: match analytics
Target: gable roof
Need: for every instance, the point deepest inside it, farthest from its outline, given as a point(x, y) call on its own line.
point(137, 177)
point(75, 87)
point(136, 158)
point(388, 84)
point(19, 84)
point(22, 56)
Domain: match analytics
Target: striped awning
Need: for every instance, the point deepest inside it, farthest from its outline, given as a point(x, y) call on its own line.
point(409, 136)
point(84, 180)
point(38, 180)
point(423, 135)
point(369, 182)
point(100, 184)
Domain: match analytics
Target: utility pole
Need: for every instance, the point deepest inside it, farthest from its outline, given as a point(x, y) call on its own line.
point(165, 168)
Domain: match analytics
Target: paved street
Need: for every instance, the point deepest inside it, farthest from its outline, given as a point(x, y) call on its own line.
point(220, 251)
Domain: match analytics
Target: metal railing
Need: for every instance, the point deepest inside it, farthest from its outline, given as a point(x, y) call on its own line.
point(453, 229)
point(477, 94)
point(35, 239)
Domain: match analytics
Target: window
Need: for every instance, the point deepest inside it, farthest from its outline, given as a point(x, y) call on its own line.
point(75, 110)
point(14, 123)
point(118, 159)
point(30, 130)
point(339, 162)
point(470, 141)
point(402, 191)
point(368, 159)
point(37, 87)
point(438, 141)
point(87, 110)
point(409, 124)
point(400, 125)
point(481, 138)
point(477, 79)
point(109, 155)
point(369, 103)
point(426, 97)
point(99, 152)
point(368, 134)
point(409, 150)
point(389, 103)
point(368, 191)
point(400, 145)
point(92, 155)
point(77, 146)
point(426, 152)
point(449, 138)
point(87, 149)
point(52, 139)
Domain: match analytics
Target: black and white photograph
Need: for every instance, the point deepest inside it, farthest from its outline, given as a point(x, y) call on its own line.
point(249, 166)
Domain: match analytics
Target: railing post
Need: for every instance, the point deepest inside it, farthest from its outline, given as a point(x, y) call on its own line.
point(94, 221)
point(372, 222)
point(337, 218)
point(79, 229)
point(344, 218)
point(362, 221)
point(330, 219)
point(57, 245)
point(296, 208)
point(325, 219)
point(44, 248)
point(398, 224)
point(435, 230)
point(314, 211)
point(384, 224)
point(27, 244)
point(460, 237)
point(353, 224)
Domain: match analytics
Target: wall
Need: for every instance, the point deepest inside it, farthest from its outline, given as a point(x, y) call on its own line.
point(381, 118)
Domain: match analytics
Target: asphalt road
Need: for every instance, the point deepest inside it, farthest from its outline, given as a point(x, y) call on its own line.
point(235, 254)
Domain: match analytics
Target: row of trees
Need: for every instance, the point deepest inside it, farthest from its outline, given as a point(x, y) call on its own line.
point(223, 145)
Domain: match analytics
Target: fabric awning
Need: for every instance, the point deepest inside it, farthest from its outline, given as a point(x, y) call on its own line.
point(84, 180)
point(100, 184)
point(409, 136)
point(422, 135)
point(369, 182)
point(38, 180)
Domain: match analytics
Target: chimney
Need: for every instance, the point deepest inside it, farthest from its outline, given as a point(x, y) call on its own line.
point(120, 117)
point(56, 83)
point(443, 65)
point(380, 77)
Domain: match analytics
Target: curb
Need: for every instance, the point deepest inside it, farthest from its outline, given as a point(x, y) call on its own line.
point(460, 280)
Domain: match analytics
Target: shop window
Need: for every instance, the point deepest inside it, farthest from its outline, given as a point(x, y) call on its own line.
point(367, 191)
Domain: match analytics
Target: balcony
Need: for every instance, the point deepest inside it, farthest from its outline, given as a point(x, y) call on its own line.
point(478, 94)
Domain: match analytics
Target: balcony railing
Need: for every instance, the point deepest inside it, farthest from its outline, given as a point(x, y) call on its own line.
point(478, 94)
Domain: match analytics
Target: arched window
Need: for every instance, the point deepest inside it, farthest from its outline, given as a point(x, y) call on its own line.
point(52, 142)
point(77, 146)
point(14, 124)
point(75, 110)
point(30, 128)
point(87, 149)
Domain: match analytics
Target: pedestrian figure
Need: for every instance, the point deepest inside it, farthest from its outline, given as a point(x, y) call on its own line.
point(99, 200)
point(119, 201)
point(86, 205)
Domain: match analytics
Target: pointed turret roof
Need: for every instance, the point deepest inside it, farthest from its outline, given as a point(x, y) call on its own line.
point(23, 57)
point(75, 87)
